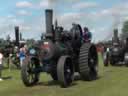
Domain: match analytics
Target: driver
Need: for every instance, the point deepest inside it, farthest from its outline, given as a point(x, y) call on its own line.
point(87, 35)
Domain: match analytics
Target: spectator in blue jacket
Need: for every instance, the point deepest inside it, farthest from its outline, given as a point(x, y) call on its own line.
point(22, 54)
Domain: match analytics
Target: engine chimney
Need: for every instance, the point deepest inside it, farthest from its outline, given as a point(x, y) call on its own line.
point(115, 36)
point(21, 36)
point(17, 35)
point(49, 23)
point(115, 33)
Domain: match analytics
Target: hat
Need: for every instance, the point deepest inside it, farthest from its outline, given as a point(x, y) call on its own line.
point(85, 28)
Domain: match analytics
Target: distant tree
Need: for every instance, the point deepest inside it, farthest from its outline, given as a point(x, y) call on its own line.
point(124, 33)
point(30, 42)
point(125, 27)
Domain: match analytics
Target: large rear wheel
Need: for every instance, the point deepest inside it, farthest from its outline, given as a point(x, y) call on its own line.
point(88, 62)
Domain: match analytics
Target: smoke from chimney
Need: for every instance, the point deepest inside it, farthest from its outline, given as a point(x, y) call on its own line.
point(52, 4)
point(117, 20)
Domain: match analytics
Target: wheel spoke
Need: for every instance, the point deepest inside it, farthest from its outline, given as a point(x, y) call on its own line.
point(68, 71)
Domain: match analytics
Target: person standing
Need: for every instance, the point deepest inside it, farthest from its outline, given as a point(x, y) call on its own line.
point(22, 54)
point(1, 65)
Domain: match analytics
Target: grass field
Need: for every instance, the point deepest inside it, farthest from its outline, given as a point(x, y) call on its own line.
point(113, 81)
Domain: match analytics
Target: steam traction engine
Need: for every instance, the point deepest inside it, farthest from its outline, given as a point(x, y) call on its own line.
point(118, 53)
point(60, 54)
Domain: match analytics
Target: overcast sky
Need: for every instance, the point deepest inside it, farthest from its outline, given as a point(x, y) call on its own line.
point(101, 16)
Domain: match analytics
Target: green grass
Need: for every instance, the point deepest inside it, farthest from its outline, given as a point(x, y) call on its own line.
point(113, 81)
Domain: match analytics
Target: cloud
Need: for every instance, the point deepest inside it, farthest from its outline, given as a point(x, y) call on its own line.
point(31, 29)
point(119, 11)
point(96, 21)
point(89, 19)
point(23, 13)
point(43, 4)
point(10, 16)
point(25, 28)
point(7, 24)
point(103, 33)
point(100, 21)
point(72, 1)
point(83, 5)
point(67, 19)
point(48, 3)
point(24, 4)
point(116, 15)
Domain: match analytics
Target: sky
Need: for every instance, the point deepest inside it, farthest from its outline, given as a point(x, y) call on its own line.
point(100, 16)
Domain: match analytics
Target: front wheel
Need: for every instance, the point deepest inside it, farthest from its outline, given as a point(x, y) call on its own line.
point(112, 62)
point(29, 77)
point(65, 71)
point(126, 59)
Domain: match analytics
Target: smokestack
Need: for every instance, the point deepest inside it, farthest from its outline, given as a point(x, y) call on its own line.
point(57, 31)
point(17, 35)
point(115, 33)
point(56, 24)
point(49, 22)
point(20, 36)
point(115, 37)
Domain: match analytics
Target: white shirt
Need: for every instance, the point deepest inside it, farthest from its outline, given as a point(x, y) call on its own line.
point(107, 49)
point(1, 58)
